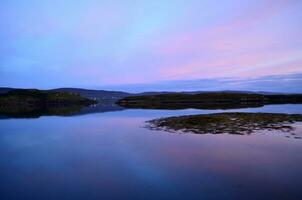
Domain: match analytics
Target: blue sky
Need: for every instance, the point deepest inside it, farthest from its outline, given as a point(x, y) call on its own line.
point(152, 45)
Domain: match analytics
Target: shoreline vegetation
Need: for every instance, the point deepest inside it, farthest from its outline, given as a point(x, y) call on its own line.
point(34, 103)
point(232, 123)
point(218, 100)
point(31, 103)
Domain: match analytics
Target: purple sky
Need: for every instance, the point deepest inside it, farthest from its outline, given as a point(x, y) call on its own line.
point(152, 45)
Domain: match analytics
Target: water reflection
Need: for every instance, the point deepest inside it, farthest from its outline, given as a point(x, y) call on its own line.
point(109, 106)
point(70, 110)
point(111, 155)
point(204, 106)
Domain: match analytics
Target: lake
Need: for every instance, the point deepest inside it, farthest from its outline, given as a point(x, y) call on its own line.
point(111, 155)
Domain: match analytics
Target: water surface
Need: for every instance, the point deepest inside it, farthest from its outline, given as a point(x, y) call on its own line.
point(112, 156)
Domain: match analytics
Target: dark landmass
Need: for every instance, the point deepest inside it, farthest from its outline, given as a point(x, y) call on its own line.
point(232, 123)
point(4, 90)
point(20, 97)
point(100, 95)
point(151, 100)
point(283, 99)
point(34, 103)
point(105, 95)
point(222, 100)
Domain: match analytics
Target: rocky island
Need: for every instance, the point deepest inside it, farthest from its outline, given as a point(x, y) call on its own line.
point(233, 123)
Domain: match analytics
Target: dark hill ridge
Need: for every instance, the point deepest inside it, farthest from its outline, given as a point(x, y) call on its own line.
point(95, 94)
point(222, 100)
point(91, 94)
point(116, 95)
point(34, 98)
point(34, 103)
point(104, 95)
point(4, 90)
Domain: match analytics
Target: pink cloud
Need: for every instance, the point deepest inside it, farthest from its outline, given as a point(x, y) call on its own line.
point(239, 47)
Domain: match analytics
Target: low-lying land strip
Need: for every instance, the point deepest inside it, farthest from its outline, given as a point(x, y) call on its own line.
point(217, 100)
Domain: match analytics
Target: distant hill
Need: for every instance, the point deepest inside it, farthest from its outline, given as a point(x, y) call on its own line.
point(91, 94)
point(201, 92)
point(105, 95)
point(4, 90)
point(95, 94)
point(222, 100)
point(38, 98)
point(210, 100)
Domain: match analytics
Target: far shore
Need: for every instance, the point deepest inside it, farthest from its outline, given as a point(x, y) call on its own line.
point(217, 100)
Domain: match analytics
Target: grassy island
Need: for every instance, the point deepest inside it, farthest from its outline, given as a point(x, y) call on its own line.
point(233, 123)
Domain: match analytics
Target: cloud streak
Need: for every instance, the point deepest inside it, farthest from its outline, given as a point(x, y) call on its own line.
point(290, 83)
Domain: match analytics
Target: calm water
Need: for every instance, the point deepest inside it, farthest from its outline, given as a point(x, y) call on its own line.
point(112, 156)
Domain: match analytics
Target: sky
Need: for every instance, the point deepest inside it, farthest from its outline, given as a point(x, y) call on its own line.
point(142, 45)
